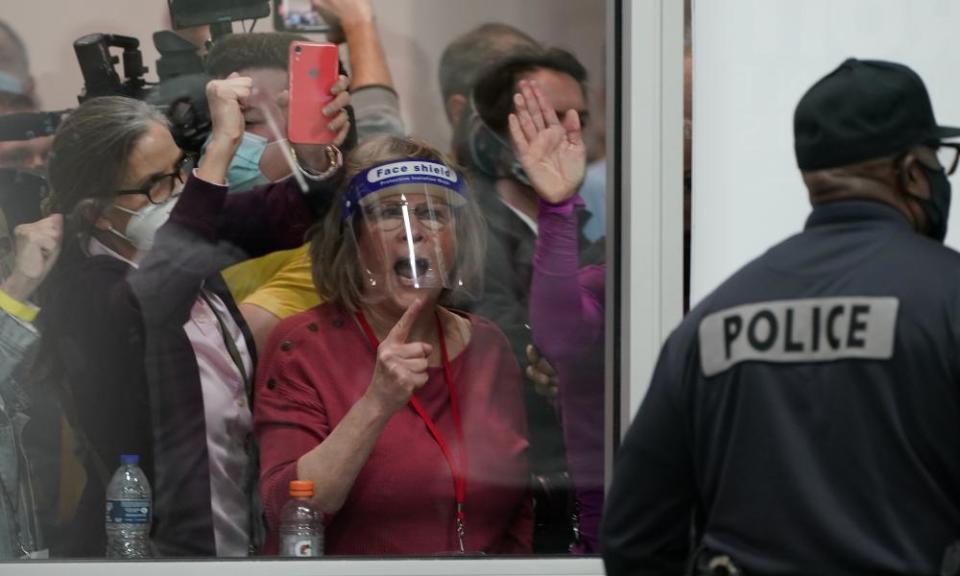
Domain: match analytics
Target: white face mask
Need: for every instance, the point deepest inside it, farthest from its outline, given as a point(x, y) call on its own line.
point(144, 223)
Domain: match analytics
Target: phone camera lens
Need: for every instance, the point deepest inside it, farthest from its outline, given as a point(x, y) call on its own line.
point(297, 49)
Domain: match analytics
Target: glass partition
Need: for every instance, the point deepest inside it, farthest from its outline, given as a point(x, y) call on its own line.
point(259, 311)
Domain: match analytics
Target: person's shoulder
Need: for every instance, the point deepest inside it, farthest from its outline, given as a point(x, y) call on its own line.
point(294, 333)
point(932, 267)
point(742, 286)
point(100, 268)
point(484, 332)
point(478, 324)
point(81, 280)
point(489, 348)
point(308, 321)
point(920, 244)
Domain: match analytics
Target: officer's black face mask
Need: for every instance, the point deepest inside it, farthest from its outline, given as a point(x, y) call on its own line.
point(937, 207)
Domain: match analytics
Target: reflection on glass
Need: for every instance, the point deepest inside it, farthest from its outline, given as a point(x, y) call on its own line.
point(188, 289)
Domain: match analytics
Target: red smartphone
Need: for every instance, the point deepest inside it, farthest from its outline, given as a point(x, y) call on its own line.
point(314, 69)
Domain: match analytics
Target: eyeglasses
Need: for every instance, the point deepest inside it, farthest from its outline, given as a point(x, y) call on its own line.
point(159, 188)
point(948, 155)
point(389, 216)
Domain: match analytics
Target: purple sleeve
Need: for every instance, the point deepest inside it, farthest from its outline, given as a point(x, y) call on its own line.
point(263, 220)
point(566, 302)
point(198, 207)
point(567, 319)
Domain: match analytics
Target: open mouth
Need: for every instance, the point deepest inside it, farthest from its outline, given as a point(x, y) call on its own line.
point(405, 268)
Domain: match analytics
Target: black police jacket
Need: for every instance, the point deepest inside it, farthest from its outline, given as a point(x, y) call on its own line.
point(805, 417)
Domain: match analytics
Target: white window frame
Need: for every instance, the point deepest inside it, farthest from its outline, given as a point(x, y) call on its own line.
point(647, 219)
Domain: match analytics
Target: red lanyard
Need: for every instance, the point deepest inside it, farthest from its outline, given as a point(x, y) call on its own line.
point(458, 472)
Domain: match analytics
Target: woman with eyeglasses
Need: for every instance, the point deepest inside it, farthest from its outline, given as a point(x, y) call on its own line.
point(404, 412)
point(141, 337)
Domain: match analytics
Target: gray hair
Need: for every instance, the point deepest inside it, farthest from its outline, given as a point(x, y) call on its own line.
point(467, 56)
point(91, 149)
point(336, 265)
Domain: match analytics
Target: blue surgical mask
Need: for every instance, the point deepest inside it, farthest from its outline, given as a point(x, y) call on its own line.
point(10, 83)
point(244, 171)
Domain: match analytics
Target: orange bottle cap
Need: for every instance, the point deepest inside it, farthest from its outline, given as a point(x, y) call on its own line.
point(301, 488)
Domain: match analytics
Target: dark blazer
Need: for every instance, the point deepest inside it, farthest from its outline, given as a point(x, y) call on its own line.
point(114, 341)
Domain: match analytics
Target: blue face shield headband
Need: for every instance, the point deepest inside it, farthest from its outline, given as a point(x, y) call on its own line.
point(401, 172)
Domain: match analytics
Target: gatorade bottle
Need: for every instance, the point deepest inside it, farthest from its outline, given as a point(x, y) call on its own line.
point(301, 524)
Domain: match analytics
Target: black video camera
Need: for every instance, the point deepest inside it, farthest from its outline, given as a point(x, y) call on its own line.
point(180, 92)
point(98, 66)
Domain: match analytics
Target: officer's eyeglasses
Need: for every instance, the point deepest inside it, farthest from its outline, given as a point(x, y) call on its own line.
point(948, 155)
point(160, 187)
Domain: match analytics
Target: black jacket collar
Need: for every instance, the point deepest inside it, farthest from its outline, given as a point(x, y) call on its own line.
point(856, 211)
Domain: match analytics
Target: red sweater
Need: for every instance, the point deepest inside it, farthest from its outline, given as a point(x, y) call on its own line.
point(319, 363)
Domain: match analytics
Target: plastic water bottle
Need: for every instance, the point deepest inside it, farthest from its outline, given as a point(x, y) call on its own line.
point(129, 511)
point(301, 524)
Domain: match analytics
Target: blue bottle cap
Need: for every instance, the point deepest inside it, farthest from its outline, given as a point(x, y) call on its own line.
point(126, 459)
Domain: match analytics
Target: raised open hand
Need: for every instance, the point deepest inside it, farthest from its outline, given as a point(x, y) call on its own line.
point(552, 152)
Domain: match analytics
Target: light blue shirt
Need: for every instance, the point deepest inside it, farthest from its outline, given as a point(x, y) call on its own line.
point(594, 194)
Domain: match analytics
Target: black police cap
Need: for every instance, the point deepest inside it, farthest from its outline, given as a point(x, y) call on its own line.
point(864, 109)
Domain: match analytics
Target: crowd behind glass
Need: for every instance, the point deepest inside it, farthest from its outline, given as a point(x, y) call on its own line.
point(419, 332)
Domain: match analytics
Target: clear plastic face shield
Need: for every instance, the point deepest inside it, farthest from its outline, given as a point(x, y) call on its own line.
point(403, 216)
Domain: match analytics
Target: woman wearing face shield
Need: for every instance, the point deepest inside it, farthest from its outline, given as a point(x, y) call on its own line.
point(141, 337)
point(405, 413)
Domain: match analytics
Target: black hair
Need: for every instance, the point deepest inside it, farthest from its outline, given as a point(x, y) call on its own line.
point(237, 52)
point(480, 139)
point(493, 93)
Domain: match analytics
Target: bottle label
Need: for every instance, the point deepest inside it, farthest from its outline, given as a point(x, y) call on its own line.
point(128, 512)
point(301, 546)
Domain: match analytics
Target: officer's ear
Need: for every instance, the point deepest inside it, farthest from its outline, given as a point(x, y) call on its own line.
point(913, 181)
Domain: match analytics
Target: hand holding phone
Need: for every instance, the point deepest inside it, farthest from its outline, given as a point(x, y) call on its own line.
point(313, 71)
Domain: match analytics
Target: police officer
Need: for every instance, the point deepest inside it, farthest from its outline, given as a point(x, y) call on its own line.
point(805, 417)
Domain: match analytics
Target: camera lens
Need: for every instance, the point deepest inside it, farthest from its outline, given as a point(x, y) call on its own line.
point(298, 48)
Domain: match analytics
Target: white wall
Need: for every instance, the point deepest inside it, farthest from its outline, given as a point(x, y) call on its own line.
point(753, 60)
point(49, 27)
point(414, 34)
